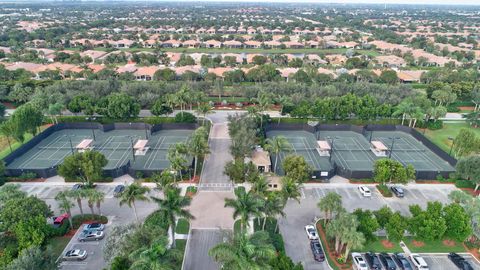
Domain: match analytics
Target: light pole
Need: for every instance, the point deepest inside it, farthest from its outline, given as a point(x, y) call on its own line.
point(331, 147)
point(371, 135)
point(71, 145)
point(90, 119)
point(391, 147)
point(451, 147)
point(133, 150)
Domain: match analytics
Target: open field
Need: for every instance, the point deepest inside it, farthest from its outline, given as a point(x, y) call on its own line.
point(440, 137)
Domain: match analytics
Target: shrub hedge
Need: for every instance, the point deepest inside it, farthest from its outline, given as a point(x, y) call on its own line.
point(78, 220)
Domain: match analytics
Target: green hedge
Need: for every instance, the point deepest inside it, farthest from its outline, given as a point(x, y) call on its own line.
point(157, 219)
point(464, 184)
point(78, 220)
point(62, 230)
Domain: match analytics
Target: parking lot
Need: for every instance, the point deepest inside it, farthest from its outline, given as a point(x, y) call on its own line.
point(442, 262)
point(94, 250)
point(298, 215)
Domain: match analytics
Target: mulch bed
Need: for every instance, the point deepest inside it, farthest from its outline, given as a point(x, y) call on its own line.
point(471, 191)
point(418, 243)
point(466, 108)
point(433, 182)
point(449, 243)
point(190, 194)
point(70, 233)
point(330, 249)
point(387, 244)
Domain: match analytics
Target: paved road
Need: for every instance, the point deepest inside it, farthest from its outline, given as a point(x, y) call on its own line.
point(300, 214)
point(200, 241)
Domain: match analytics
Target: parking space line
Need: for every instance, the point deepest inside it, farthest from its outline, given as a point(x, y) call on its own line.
point(318, 193)
point(302, 191)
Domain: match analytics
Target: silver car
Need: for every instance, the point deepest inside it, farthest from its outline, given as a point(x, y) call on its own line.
point(91, 236)
point(75, 255)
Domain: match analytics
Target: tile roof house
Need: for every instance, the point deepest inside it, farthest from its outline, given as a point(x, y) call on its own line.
point(293, 45)
point(233, 44)
point(212, 44)
point(252, 44)
point(410, 76)
point(171, 43)
point(93, 54)
point(191, 43)
point(219, 71)
point(145, 73)
point(390, 61)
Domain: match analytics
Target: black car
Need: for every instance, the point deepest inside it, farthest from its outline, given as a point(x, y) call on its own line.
point(373, 261)
point(402, 261)
point(77, 187)
point(387, 261)
point(317, 251)
point(398, 191)
point(459, 261)
point(118, 190)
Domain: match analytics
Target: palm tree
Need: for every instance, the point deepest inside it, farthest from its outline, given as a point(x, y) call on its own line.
point(404, 108)
point(246, 205)
point(176, 155)
point(97, 197)
point(134, 192)
point(198, 146)
point(10, 130)
point(276, 145)
point(78, 195)
point(473, 118)
point(353, 239)
point(330, 204)
point(260, 185)
point(173, 206)
point(273, 207)
point(204, 109)
point(244, 252)
point(65, 204)
point(339, 228)
point(290, 189)
point(89, 193)
point(163, 180)
point(155, 256)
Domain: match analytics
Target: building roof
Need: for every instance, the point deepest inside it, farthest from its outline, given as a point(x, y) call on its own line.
point(378, 145)
point(261, 158)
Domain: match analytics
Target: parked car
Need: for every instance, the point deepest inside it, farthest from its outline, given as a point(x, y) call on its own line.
point(398, 191)
point(387, 261)
point(459, 261)
point(77, 187)
point(317, 251)
point(58, 221)
point(359, 262)
point(91, 236)
point(311, 232)
point(373, 261)
point(94, 227)
point(418, 262)
point(365, 191)
point(402, 261)
point(118, 190)
point(75, 255)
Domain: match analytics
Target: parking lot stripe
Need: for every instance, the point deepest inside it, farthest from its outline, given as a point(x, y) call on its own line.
point(302, 191)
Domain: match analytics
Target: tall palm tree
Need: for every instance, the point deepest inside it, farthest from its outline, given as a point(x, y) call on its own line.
point(403, 109)
point(274, 205)
point(156, 256)
point(244, 252)
point(10, 130)
point(198, 146)
point(173, 206)
point(290, 189)
point(353, 239)
point(97, 197)
point(134, 192)
point(163, 180)
point(89, 194)
point(78, 195)
point(276, 145)
point(473, 118)
point(260, 185)
point(65, 204)
point(204, 109)
point(176, 155)
point(330, 204)
point(246, 205)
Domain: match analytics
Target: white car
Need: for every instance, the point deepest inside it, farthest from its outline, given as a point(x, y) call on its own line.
point(418, 262)
point(359, 261)
point(75, 255)
point(311, 232)
point(365, 191)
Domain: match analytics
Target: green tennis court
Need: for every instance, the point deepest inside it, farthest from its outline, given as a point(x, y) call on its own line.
point(116, 145)
point(352, 151)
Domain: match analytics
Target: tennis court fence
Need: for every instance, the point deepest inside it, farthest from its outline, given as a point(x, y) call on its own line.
point(366, 131)
point(115, 172)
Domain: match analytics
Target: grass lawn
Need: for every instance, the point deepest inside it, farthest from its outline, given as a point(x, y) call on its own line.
point(59, 243)
point(440, 137)
point(5, 150)
point(377, 246)
point(436, 246)
point(180, 245)
point(182, 226)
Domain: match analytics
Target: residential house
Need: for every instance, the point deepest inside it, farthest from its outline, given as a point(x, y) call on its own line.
point(212, 44)
point(390, 61)
point(252, 44)
point(233, 44)
point(145, 73)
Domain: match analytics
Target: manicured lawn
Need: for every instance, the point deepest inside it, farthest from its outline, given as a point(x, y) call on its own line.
point(440, 137)
point(377, 246)
point(180, 245)
point(436, 246)
point(182, 226)
point(5, 150)
point(58, 244)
